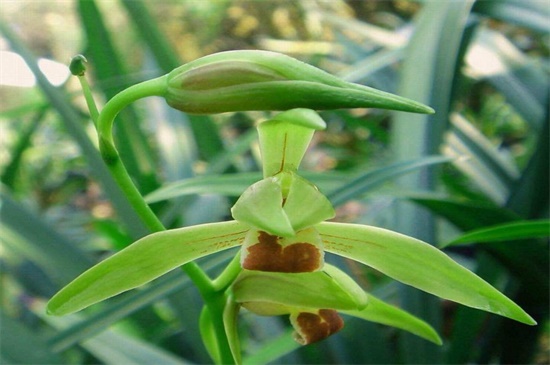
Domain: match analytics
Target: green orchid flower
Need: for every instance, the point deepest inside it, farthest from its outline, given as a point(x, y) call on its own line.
point(280, 224)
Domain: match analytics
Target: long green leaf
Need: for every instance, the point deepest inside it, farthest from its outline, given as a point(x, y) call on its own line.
point(371, 179)
point(9, 174)
point(429, 74)
point(15, 341)
point(143, 261)
point(418, 264)
point(113, 347)
point(72, 123)
point(527, 13)
point(206, 133)
point(31, 234)
point(108, 67)
point(505, 232)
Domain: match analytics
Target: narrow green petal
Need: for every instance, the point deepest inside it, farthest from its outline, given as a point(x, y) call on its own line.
point(143, 261)
point(418, 264)
point(317, 290)
point(305, 205)
point(261, 206)
point(380, 312)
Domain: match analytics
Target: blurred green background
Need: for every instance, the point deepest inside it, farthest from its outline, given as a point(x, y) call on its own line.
point(483, 66)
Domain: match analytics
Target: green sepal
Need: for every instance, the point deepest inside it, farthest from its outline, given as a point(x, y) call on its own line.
point(261, 80)
point(143, 261)
point(418, 264)
point(381, 312)
point(284, 139)
point(302, 290)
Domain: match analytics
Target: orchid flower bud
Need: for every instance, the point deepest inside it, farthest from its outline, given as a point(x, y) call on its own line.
point(262, 80)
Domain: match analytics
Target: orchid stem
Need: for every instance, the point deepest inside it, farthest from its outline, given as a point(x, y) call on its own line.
point(213, 298)
point(231, 271)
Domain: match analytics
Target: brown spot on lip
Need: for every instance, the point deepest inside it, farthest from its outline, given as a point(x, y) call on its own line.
point(313, 327)
point(269, 255)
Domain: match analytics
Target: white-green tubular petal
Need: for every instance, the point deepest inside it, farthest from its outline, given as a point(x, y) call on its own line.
point(143, 261)
point(418, 264)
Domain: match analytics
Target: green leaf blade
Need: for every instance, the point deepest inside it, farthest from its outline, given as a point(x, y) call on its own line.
point(143, 261)
point(505, 232)
point(418, 264)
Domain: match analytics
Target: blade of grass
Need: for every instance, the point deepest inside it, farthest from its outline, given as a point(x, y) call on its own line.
point(108, 67)
point(205, 131)
point(15, 341)
point(365, 182)
point(428, 76)
point(9, 174)
point(530, 196)
point(112, 347)
point(504, 232)
point(530, 14)
point(482, 149)
point(72, 123)
point(54, 252)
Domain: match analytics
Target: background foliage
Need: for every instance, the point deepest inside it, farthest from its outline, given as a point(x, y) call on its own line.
point(482, 65)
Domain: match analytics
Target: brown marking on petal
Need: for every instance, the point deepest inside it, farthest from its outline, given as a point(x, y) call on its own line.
point(269, 255)
point(314, 327)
